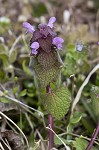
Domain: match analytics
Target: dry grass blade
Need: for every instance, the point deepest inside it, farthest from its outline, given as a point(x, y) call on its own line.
point(1, 147)
point(66, 147)
point(16, 101)
point(7, 145)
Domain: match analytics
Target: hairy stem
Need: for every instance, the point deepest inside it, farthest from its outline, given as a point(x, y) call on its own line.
point(93, 138)
point(51, 123)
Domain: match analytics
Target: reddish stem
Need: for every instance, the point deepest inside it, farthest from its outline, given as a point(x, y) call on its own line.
point(51, 135)
point(51, 122)
point(93, 138)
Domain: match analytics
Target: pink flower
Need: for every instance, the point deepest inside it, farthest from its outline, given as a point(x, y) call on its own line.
point(51, 21)
point(29, 27)
point(57, 41)
point(34, 46)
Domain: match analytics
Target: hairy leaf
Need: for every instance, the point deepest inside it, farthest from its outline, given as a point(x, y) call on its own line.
point(57, 102)
point(47, 75)
point(46, 59)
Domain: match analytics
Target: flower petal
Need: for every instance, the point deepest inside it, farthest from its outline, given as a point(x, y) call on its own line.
point(58, 42)
point(35, 45)
point(51, 32)
point(59, 46)
point(29, 27)
point(51, 21)
point(34, 51)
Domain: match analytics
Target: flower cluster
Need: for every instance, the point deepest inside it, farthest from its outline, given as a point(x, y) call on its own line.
point(43, 38)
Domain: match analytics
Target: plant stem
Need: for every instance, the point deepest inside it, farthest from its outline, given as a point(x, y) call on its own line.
point(51, 134)
point(93, 138)
point(51, 123)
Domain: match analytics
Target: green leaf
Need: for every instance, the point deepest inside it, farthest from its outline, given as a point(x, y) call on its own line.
point(6, 92)
point(25, 68)
point(28, 84)
point(95, 100)
point(76, 118)
point(30, 94)
point(71, 48)
point(47, 59)
point(71, 67)
point(97, 79)
point(2, 75)
point(4, 54)
point(57, 102)
point(12, 56)
point(15, 89)
point(47, 75)
point(4, 58)
point(23, 93)
point(57, 141)
point(88, 124)
point(82, 144)
point(4, 100)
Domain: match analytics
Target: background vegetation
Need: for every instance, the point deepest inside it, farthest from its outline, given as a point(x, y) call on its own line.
point(77, 23)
